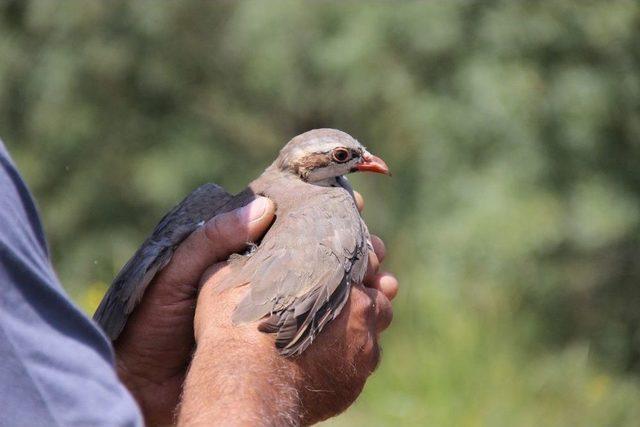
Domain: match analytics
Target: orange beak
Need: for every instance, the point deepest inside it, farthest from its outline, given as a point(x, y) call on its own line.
point(371, 163)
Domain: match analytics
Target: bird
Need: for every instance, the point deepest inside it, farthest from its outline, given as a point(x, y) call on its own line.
point(300, 273)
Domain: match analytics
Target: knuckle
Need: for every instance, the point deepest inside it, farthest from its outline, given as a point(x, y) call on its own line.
point(371, 355)
point(218, 228)
point(385, 318)
point(384, 312)
point(223, 227)
point(378, 247)
point(212, 229)
point(374, 261)
point(365, 301)
point(373, 265)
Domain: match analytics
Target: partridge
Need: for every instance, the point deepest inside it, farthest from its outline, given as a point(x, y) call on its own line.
point(300, 274)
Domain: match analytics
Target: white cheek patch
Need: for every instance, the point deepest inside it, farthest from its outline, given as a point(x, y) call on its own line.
point(332, 171)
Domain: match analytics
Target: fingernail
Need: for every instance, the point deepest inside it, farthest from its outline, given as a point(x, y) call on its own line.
point(254, 210)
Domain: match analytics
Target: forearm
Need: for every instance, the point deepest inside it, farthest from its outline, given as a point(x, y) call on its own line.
point(227, 385)
point(237, 376)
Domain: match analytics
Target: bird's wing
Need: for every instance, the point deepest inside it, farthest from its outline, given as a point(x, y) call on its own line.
point(303, 270)
point(155, 253)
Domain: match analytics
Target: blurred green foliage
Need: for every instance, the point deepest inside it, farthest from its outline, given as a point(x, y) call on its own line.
point(513, 130)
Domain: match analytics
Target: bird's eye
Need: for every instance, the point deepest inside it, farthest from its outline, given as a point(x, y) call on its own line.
point(341, 155)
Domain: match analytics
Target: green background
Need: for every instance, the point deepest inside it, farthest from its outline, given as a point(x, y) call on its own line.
point(512, 129)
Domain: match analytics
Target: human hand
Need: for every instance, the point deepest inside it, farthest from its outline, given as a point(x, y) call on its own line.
point(237, 377)
point(340, 360)
point(155, 348)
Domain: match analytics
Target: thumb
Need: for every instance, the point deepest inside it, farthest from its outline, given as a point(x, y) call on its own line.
point(221, 236)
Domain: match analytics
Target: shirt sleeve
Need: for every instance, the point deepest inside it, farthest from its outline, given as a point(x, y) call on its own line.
point(56, 366)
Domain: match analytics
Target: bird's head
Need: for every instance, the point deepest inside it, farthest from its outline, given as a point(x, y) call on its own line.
point(321, 154)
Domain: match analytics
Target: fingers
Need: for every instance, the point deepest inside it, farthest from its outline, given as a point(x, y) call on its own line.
point(370, 307)
point(385, 283)
point(375, 258)
point(217, 239)
point(230, 232)
point(382, 308)
point(378, 247)
point(359, 200)
point(373, 265)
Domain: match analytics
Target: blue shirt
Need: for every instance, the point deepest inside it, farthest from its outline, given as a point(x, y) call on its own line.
point(56, 367)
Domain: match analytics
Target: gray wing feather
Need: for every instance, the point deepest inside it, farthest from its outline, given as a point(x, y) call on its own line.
point(301, 273)
point(129, 286)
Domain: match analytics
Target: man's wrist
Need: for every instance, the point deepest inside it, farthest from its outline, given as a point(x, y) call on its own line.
point(238, 375)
